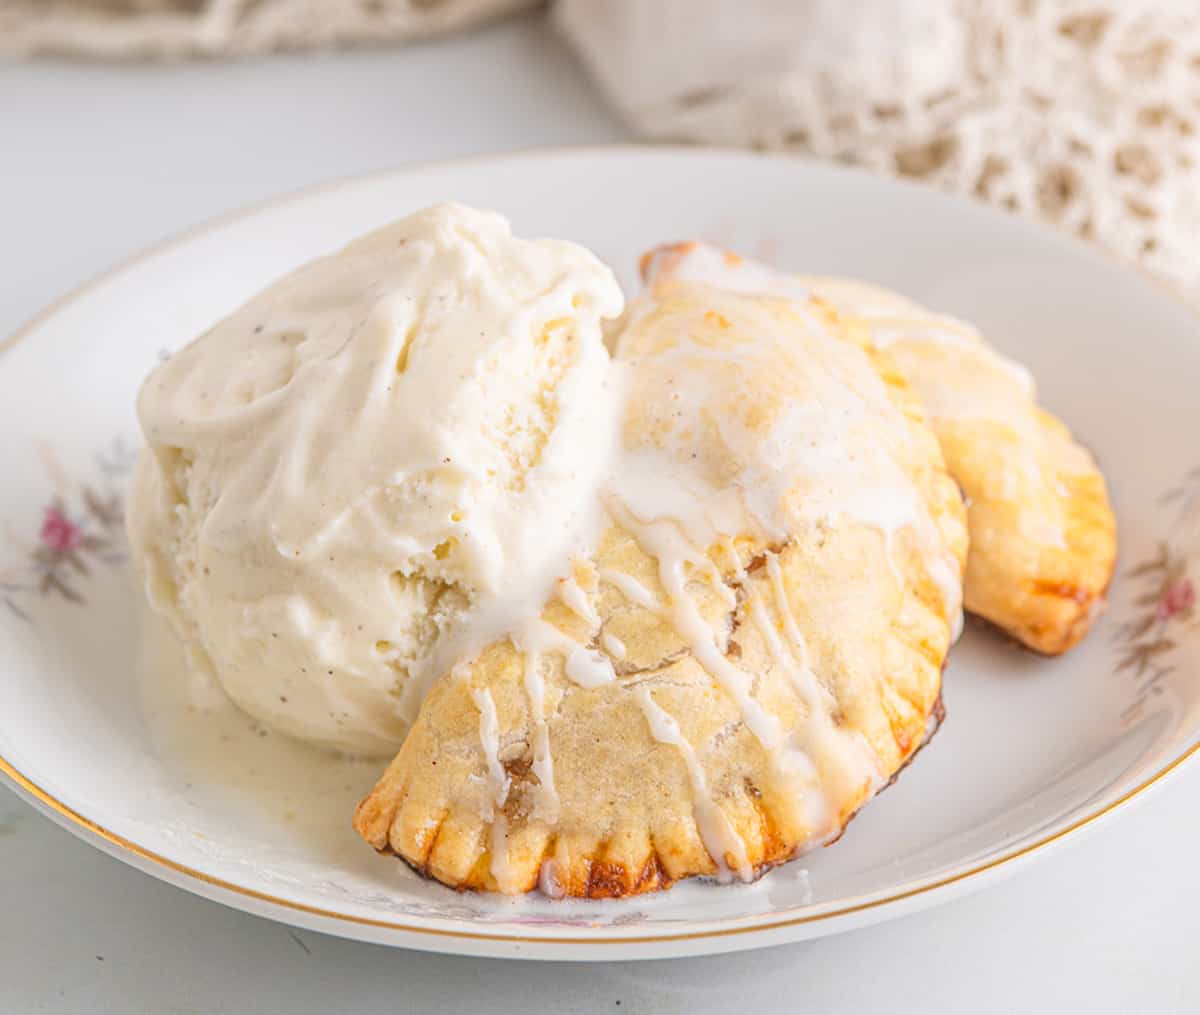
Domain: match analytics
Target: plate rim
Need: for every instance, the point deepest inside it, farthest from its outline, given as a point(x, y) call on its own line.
point(245, 897)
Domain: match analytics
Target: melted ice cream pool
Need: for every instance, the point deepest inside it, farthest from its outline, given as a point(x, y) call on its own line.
point(293, 801)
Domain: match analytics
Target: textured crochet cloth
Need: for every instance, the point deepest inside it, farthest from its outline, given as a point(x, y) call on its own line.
point(170, 29)
point(1081, 112)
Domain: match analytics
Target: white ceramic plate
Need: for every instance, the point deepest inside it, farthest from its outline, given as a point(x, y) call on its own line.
point(1031, 751)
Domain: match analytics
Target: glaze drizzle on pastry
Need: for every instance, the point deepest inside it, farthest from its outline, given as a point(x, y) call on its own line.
point(753, 435)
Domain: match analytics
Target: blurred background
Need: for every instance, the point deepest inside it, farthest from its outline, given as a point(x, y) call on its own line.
point(1080, 112)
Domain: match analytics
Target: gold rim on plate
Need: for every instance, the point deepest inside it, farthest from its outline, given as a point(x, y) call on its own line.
point(78, 821)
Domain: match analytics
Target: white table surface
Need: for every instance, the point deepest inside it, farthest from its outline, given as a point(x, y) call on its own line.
point(97, 162)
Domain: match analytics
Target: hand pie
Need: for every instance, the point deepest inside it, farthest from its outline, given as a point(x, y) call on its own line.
point(750, 651)
point(1042, 533)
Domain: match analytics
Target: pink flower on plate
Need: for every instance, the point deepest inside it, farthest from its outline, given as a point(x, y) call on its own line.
point(59, 533)
point(1178, 597)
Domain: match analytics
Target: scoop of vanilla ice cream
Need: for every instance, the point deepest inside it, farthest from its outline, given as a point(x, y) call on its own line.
point(354, 478)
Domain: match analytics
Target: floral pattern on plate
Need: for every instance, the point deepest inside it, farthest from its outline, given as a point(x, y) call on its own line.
point(1163, 590)
point(81, 528)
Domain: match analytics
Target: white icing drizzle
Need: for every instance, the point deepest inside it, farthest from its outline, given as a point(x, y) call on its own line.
point(813, 439)
point(813, 796)
point(550, 881)
point(887, 329)
point(891, 318)
point(589, 668)
point(489, 740)
point(613, 645)
point(631, 589)
point(842, 757)
point(506, 875)
point(836, 758)
point(543, 759)
point(907, 322)
point(798, 645)
point(702, 264)
point(1001, 391)
point(577, 601)
point(719, 836)
point(946, 576)
point(664, 541)
point(816, 459)
point(498, 785)
point(919, 326)
point(586, 666)
point(709, 265)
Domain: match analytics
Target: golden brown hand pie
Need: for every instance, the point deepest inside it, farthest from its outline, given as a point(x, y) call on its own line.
point(1043, 535)
point(751, 650)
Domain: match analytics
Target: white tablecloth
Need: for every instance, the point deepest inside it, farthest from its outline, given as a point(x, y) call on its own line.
point(97, 162)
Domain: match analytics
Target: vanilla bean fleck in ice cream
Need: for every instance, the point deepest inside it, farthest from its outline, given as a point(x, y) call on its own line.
point(391, 450)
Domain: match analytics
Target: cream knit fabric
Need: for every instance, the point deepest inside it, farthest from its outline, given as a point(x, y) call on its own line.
point(1082, 112)
point(169, 29)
